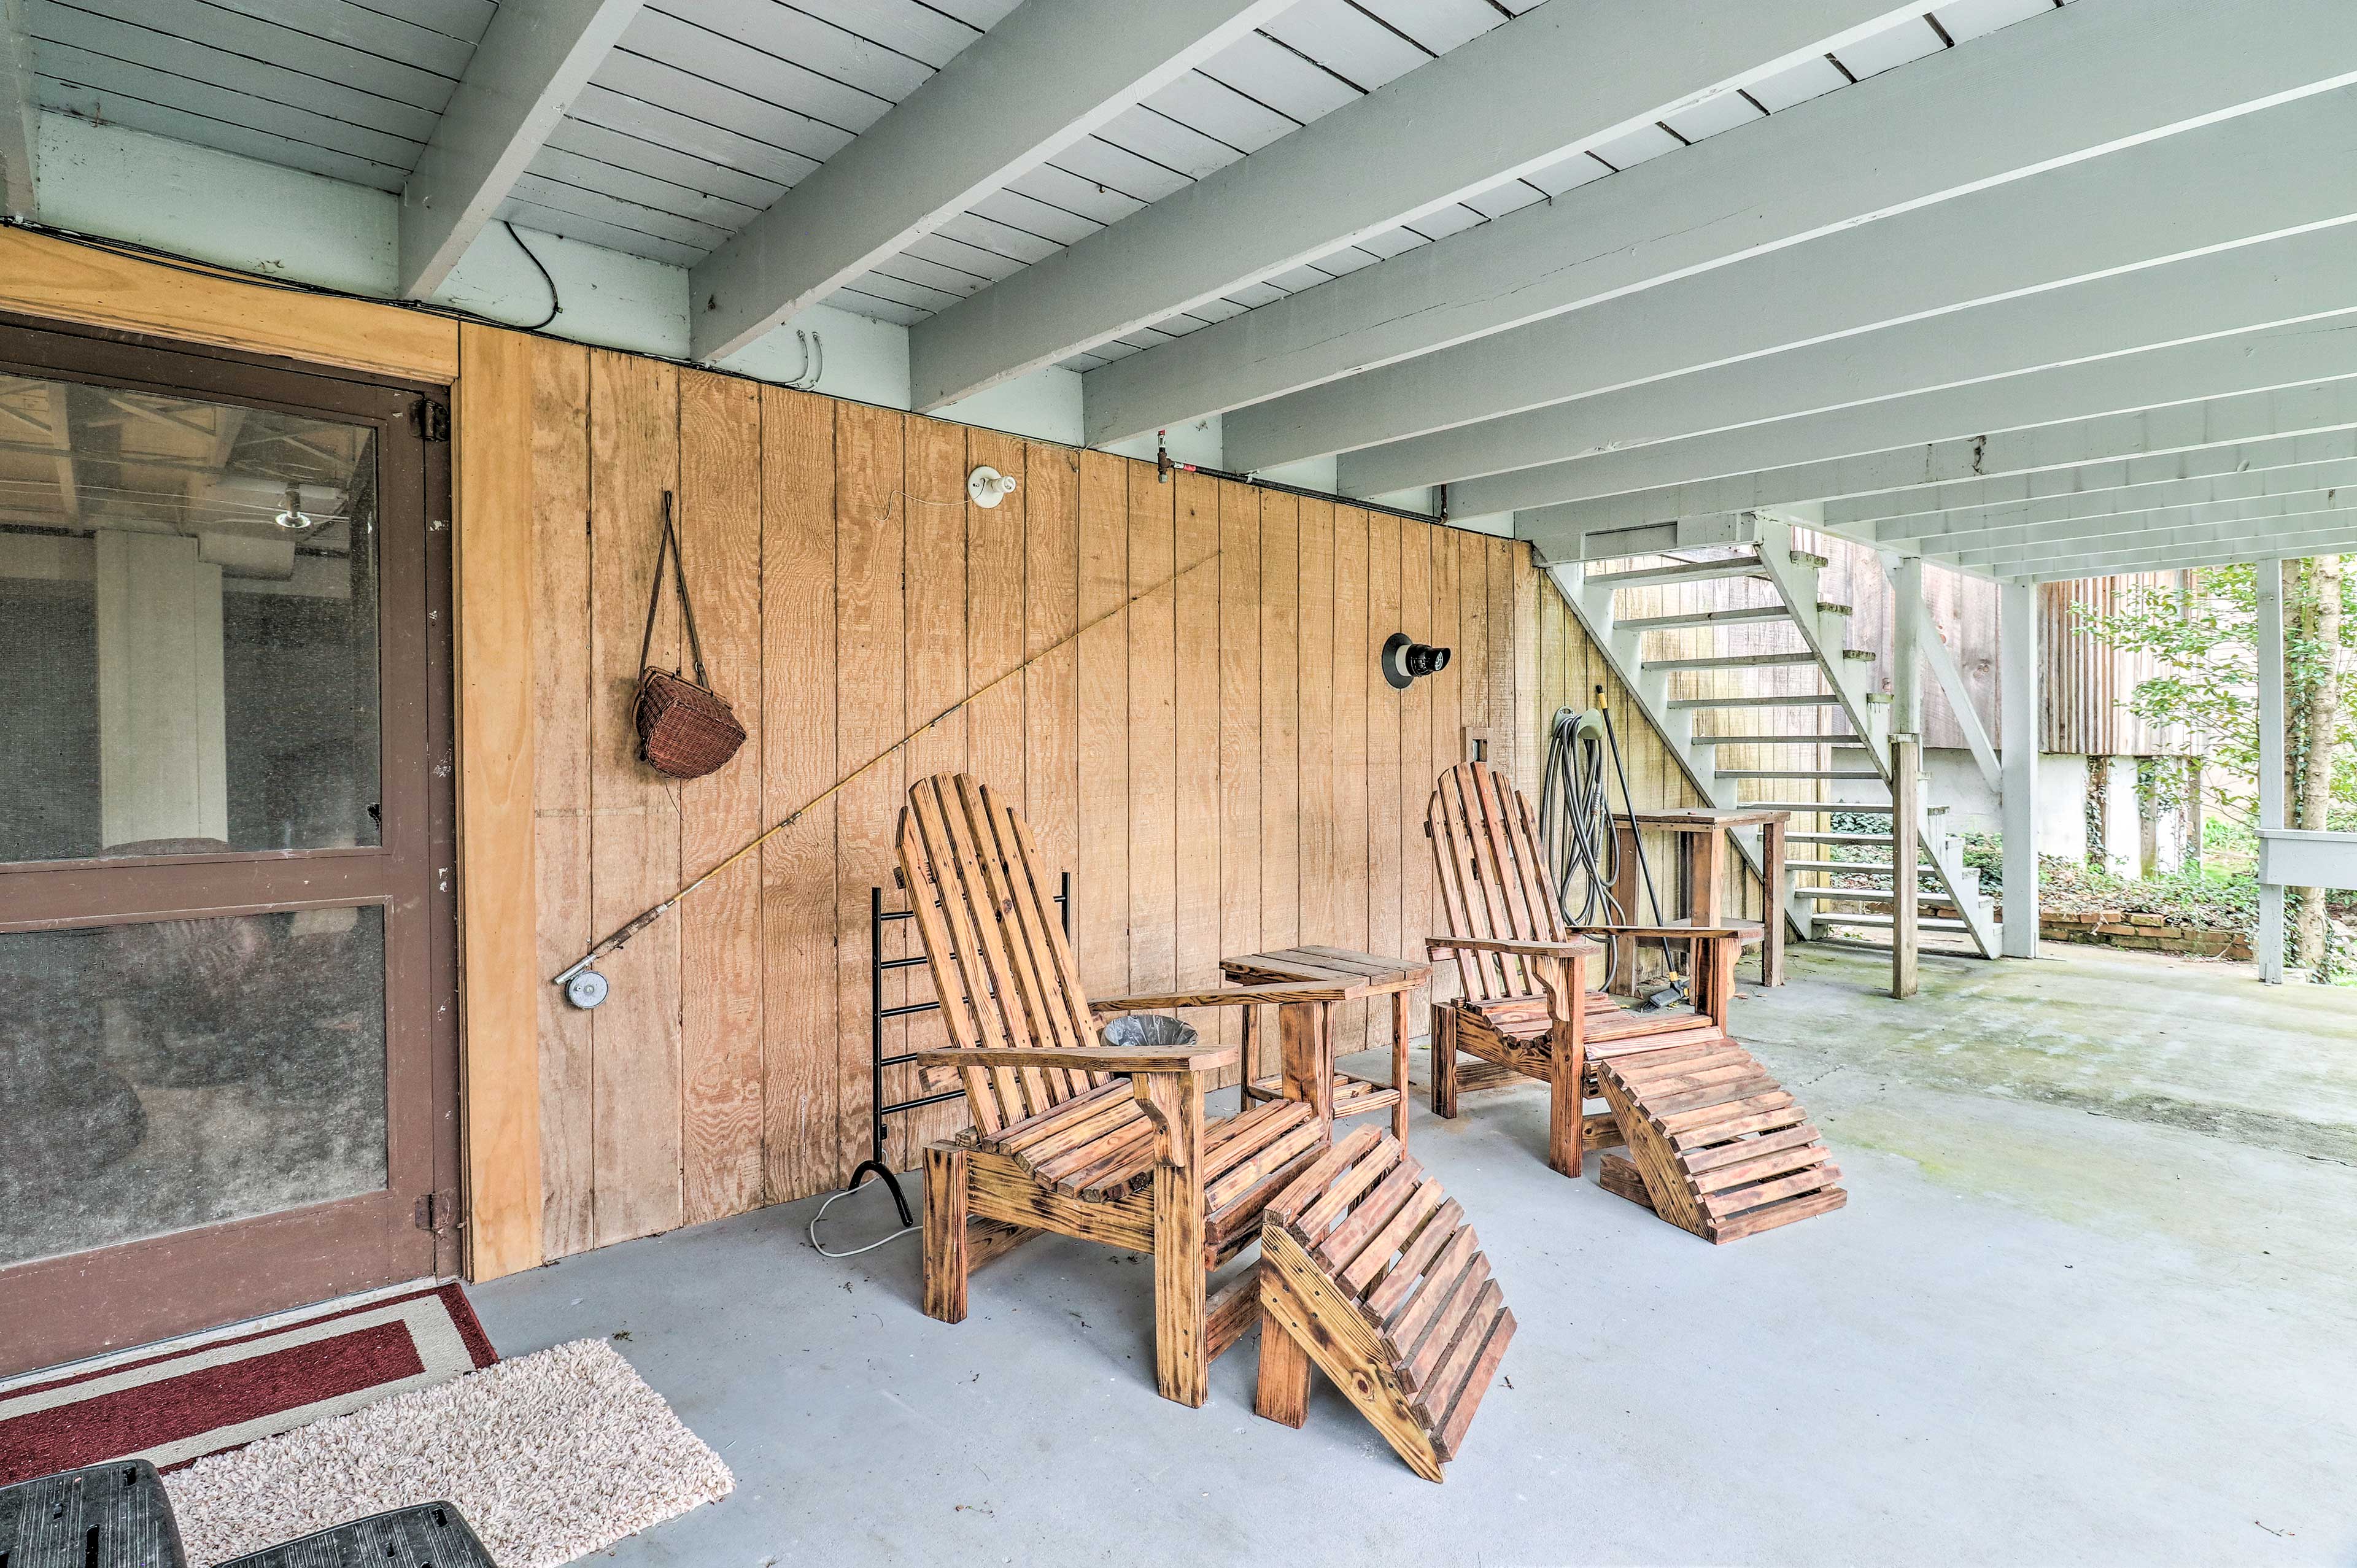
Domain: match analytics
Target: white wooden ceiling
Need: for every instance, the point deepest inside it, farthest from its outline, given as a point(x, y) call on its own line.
point(1927, 276)
point(708, 111)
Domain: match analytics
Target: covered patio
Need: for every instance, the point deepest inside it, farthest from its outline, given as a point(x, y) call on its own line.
point(625, 617)
point(2089, 1303)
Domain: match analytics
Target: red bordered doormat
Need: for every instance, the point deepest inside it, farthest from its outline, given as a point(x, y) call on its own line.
point(208, 1396)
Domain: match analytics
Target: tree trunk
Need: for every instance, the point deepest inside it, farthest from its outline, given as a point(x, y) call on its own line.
point(2320, 721)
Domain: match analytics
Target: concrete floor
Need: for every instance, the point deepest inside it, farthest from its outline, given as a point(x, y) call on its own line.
point(2094, 1300)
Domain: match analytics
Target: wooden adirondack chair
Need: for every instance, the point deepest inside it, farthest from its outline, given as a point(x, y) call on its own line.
point(1719, 1147)
point(1107, 1143)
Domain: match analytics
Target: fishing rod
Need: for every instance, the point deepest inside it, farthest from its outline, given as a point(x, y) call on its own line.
point(585, 987)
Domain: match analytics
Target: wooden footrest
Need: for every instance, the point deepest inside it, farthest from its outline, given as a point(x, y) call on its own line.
point(1352, 1096)
point(1715, 1144)
point(1369, 1271)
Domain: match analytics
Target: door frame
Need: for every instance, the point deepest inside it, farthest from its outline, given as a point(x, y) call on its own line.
point(90, 1302)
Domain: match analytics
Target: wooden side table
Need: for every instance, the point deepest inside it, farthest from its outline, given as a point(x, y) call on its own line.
point(1368, 975)
point(1702, 844)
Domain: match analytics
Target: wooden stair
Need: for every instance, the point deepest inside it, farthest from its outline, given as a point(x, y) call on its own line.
point(1844, 751)
point(1369, 1272)
point(1715, 1144)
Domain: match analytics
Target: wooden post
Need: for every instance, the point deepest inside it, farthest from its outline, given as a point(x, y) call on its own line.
point(2269, 636)
point(2018, 686)
point(1566, 982)
point(1772, 902)
point(1624, 891)
point(1399, 1065)
point(1283, 1396)
point(1444, 1059)
point(1182, 1349)
point(1306, 1039)
point(1908, 634)
point(944, 1237)
point(1906, 812)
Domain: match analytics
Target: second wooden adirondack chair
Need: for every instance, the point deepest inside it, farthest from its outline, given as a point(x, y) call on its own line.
point(1105, 1143)
point(1714, 1144)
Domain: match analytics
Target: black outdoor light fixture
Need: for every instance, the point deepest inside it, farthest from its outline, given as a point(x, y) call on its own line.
point(1403, 660)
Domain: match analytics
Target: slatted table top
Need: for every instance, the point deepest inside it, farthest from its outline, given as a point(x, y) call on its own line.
point(1703, 818)
point(1367, 974)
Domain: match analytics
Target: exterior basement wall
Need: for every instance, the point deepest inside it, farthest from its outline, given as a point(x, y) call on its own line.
point(1221, 763)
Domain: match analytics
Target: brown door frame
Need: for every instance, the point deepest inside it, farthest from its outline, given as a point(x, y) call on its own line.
point(87, 1303)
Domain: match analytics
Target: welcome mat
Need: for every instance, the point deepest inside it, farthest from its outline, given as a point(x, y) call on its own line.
point(219, 1393)
point(549, 1457)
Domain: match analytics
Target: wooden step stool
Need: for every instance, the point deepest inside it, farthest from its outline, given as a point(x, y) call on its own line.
point(1715, 1145)
point(1368, 1269)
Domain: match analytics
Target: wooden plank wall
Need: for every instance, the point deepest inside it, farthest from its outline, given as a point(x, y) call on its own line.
point(1218, 760)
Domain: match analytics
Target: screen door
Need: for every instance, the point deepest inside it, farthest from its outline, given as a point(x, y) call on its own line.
point(227, 1037)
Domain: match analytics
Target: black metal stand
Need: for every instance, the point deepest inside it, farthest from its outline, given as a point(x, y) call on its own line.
point(878, 1015)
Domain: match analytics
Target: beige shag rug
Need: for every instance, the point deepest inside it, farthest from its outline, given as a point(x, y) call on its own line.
point(550, 1457)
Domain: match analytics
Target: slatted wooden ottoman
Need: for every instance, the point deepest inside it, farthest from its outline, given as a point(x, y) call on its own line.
point(1369, 1271)
point(1715, 1145)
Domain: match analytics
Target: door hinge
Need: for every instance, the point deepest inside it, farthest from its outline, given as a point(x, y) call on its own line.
point(433, 1214)
point(433, 421)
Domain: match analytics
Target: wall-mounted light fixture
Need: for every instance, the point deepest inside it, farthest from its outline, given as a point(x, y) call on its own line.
point(988, 487)
point(1403, 660)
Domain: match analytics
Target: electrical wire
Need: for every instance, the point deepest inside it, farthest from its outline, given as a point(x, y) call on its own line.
point(855, 1252)
point(556, 304)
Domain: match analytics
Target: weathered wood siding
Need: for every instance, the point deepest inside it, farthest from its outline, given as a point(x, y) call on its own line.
point(1219, 761)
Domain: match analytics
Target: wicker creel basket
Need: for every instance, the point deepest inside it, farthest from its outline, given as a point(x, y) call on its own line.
point(685, 728)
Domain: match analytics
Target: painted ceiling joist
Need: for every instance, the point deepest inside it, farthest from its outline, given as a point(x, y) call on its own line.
point(1051, 73)
point(2123, 531)
point(2296, 380)
point(2219, 500)
point(1556, 80)
point(20, 113)
point(2222, 184)
point(2324, 410)
point(2328, 543)
point(2086, 81)
point(1899, 514)
point(2320, 525)
point(2249, 289)
point(533, 60)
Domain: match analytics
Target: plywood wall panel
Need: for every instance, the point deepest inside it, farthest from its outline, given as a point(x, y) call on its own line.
point(1280, 720)
point(1240, 747)
point(1445, 732)
point(635, 853)
point(1052, 511)
point(1102, 883)
point(1386, 784)
point(561, 706)
point(1417, 769)
point(1195, 780)
point(871, 715)
point(802, 1148)
point(936, 564)
point(1319, 829)
point(1153, 732)
point(1351, 672)
point(721, 961)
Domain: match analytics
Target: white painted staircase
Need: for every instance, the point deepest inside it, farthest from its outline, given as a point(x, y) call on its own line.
point(1762, 677)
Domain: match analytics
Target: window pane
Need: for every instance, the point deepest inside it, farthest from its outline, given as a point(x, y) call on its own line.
point(185, 1072)
point(189, 595)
